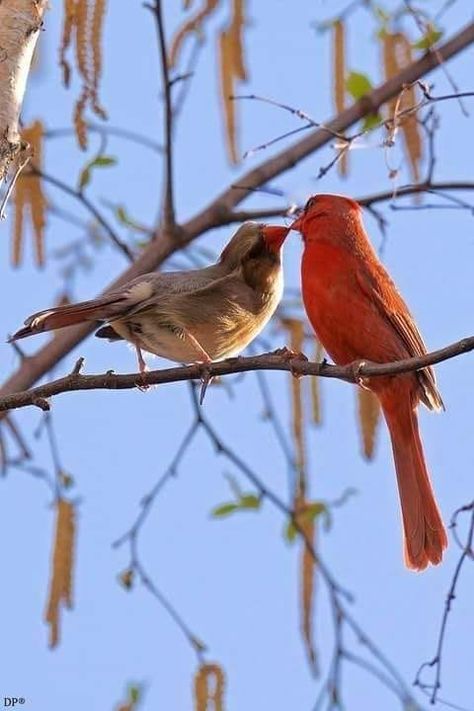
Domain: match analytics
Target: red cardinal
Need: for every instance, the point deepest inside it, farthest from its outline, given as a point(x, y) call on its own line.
point(358, 314)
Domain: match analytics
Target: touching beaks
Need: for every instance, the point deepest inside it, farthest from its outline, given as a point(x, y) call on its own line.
point(274, 236)
point(298, 223)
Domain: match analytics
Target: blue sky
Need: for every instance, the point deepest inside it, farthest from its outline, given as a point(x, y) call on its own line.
point(234, 581)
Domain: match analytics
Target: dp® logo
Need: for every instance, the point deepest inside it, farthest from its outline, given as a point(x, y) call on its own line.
point(12, 701)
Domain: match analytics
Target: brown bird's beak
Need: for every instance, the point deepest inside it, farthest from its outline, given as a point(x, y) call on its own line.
point(274, 236)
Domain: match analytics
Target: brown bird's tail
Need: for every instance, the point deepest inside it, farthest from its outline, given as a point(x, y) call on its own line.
point(58, 317)
point(424, 531)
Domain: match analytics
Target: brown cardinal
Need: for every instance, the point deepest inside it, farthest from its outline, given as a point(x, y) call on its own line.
point(200, 315)
point(358, 313)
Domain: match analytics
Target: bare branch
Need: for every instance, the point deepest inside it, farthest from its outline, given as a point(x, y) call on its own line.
point(168, 205)
point(426, 187)
point(107, 130)
point(281, 359)
point(467, 553)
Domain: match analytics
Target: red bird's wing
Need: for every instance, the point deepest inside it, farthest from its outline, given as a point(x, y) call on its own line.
point(380, 288)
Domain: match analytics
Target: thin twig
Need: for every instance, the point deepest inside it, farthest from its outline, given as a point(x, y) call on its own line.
point(168, 204)
point(432, 690)
point(87, 204)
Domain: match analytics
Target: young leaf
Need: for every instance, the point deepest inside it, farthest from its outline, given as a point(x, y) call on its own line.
point(358, 85)
point(97, 162)
point(290, 532)
point(371, 121)
point(224, 509)
point(249, 501)
point(429, 39)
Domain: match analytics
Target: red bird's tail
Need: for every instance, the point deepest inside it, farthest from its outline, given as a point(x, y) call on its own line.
point(424, 531)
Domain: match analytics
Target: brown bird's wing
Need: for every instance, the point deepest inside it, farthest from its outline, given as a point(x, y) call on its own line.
point(116, 303)
point(380, 288)
point(205, 304)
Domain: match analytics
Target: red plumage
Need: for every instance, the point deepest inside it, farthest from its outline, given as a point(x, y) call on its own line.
point(358, 314)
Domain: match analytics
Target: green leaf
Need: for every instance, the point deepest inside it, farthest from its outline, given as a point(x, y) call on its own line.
point(224, 509)
point(104, 161)
point(85, 175)
point(315, 509)
point(429, 39)
point(290, 532)
point(134, 694)
point(371, 121)
point(84, 178)
point(249, 501)
point(358, 85)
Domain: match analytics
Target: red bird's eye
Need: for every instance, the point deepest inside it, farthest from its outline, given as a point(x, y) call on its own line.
point(311, 203)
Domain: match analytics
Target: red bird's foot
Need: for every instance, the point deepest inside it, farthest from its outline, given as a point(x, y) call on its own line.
point(356, 367)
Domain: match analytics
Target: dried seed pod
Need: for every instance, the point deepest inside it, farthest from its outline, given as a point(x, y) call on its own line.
point(315, 388)
point(209, 682)
point(307, 573)
point(227, 87)
point(295, 328)
point(369, 418)
point(60, 591)
point(190, 26)
point(29, 196)
point(339, 80)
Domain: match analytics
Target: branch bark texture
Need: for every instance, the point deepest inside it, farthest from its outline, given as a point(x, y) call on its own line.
point(281, 359)
point(20, 24)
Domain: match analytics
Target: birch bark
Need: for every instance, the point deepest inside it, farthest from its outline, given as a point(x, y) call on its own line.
point(20, 24)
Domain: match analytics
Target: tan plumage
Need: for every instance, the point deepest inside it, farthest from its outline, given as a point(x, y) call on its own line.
point(199, 315)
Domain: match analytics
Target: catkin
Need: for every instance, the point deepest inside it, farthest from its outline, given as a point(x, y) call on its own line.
point(339, 81)
point(209, 682)
point(60, 591)
point(227, 85)
point(369, 416)
point(190, 26)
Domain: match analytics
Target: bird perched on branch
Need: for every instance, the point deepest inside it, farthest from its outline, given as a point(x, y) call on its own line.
point(200, 315)
point(358, 313)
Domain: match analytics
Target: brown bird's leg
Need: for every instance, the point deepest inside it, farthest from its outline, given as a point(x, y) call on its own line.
point(142, 367)
point(203, 356)
point(206, 378)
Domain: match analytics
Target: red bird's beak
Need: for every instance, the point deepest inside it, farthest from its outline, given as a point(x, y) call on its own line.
point(297, 224)
point(274, 236)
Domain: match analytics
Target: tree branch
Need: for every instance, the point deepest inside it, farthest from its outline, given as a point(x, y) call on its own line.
point(365, 201)
point(159, 249)
point(20, 23)
point(281, 359)
point(168, 204)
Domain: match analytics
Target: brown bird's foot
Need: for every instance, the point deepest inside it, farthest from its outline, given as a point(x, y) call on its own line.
point(143, 386)
point(206, 380)
point(356, 367)
point(293, 358)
